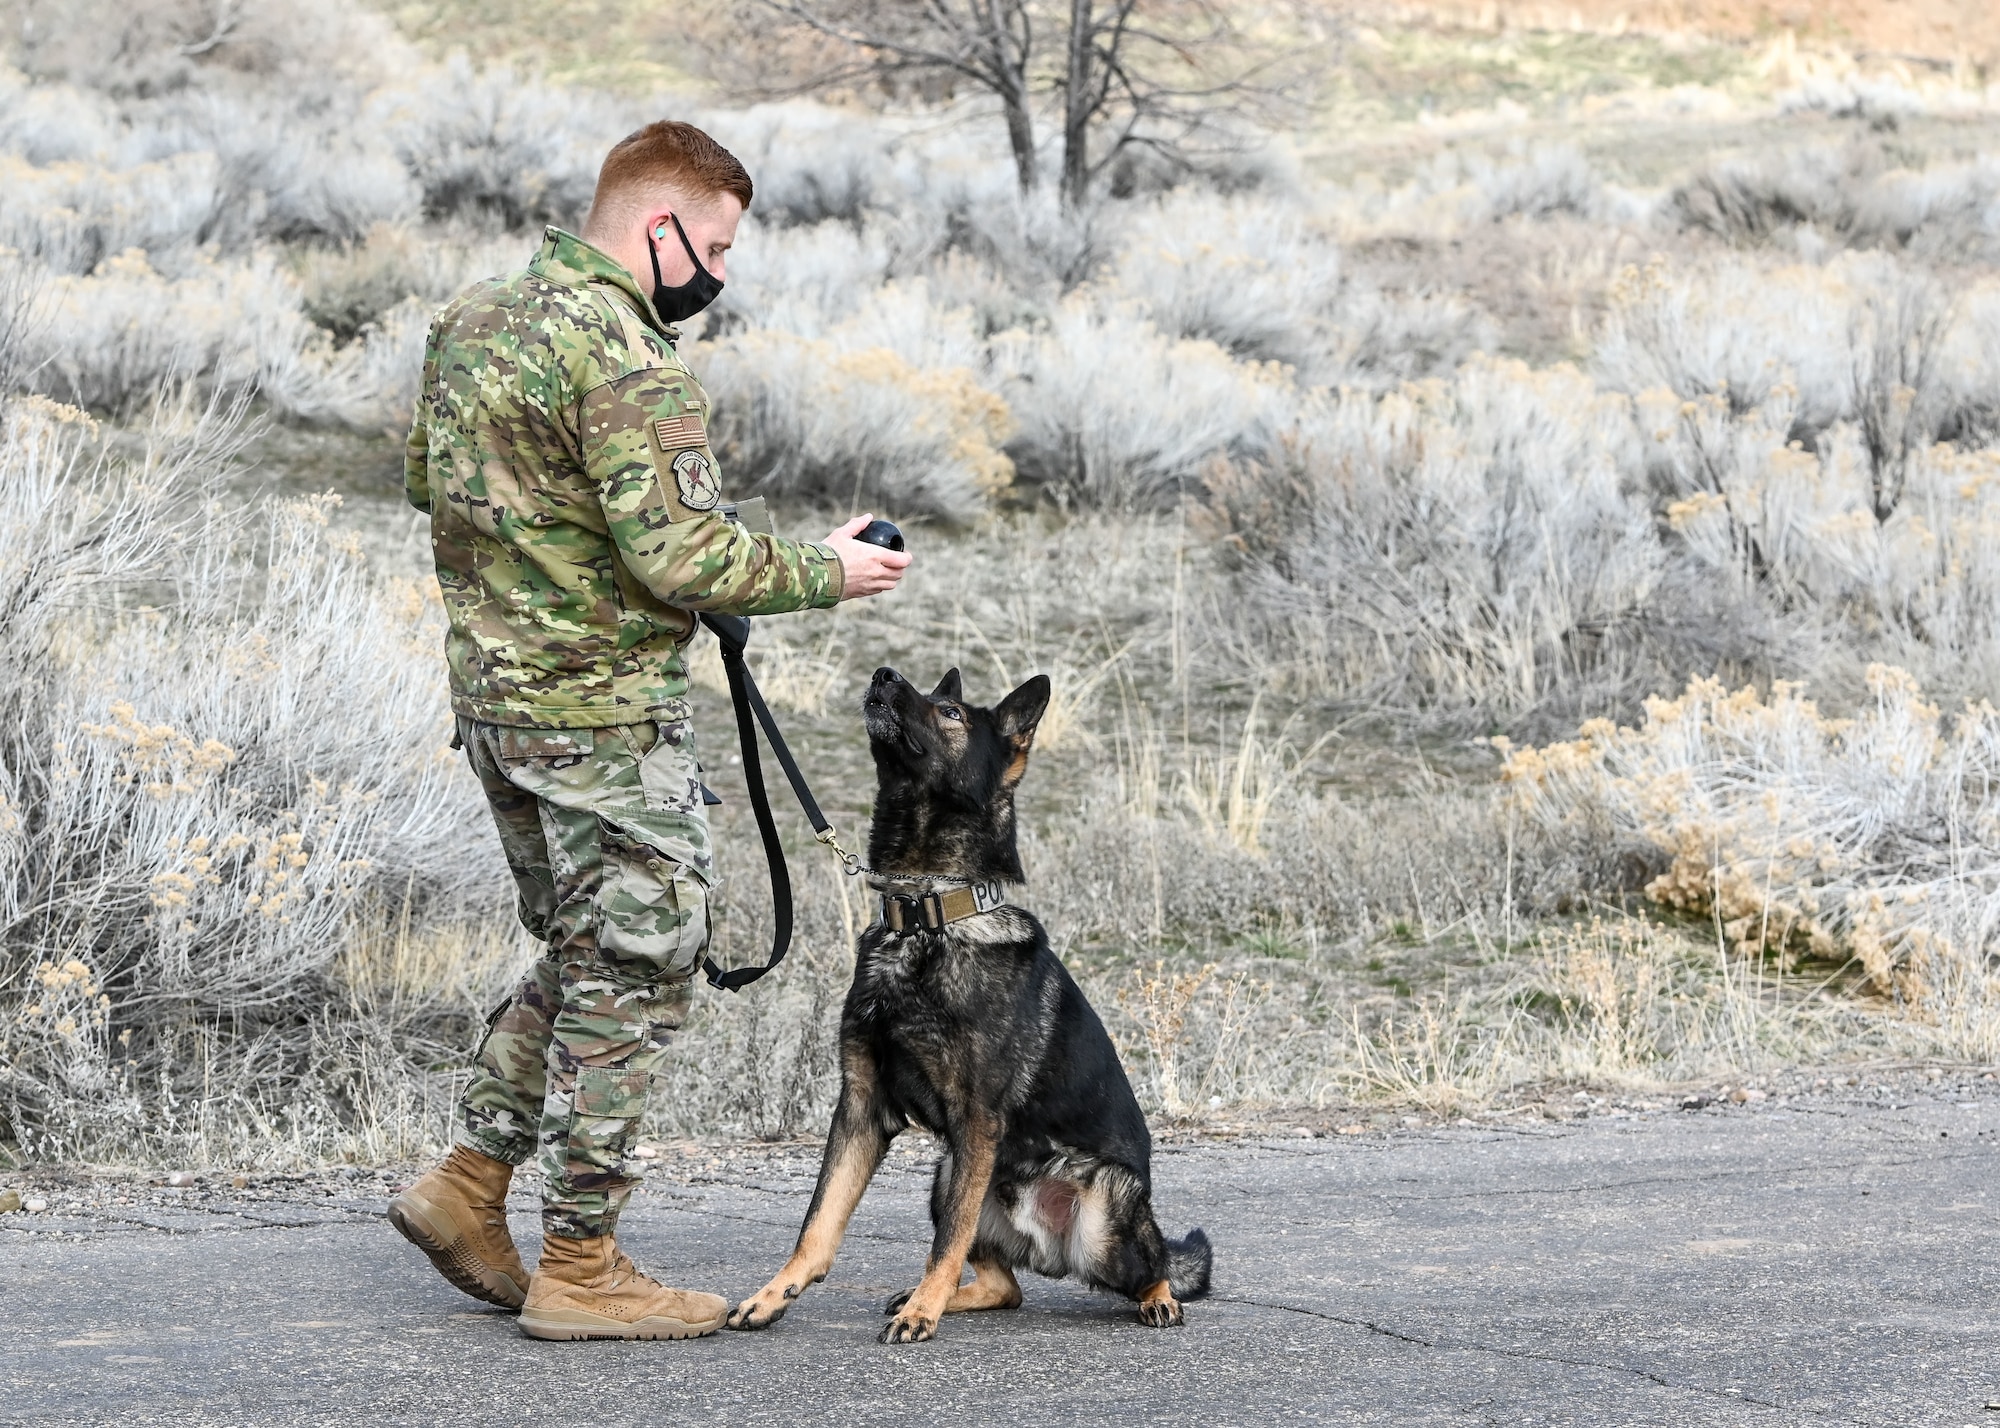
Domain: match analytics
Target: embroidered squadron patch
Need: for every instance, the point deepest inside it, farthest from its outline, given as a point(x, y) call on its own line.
point(695, 479)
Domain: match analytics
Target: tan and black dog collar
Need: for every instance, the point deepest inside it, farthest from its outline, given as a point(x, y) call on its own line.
point(932, 911)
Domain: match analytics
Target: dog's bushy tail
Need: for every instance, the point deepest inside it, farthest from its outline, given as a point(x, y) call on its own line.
point(1188, 1264)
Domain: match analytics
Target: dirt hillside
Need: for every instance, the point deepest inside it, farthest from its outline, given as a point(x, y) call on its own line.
point(1933, 32)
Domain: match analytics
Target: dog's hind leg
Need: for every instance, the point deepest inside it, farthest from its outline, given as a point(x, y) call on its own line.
point(957, 1222)
point(992, 1286)
point(1129, 1253)
point(1146, 1255)
point(1159, 1309)
point(854, 1148)
point(997, 1249)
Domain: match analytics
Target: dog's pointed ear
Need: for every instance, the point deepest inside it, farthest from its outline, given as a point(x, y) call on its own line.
point(1022, 710)
point(950, 687)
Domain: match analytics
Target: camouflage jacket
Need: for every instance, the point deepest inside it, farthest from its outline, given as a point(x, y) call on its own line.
point(561, 449)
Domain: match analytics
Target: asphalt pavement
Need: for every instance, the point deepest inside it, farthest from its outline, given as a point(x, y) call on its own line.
point(1833, 1259)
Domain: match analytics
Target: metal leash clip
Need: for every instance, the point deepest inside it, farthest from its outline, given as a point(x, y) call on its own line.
point(850, 862)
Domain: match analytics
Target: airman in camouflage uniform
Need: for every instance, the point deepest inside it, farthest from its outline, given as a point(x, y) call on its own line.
point(562, 453)
point(561, 450)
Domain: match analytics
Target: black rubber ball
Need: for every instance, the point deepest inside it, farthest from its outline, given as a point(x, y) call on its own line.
point(882, 533)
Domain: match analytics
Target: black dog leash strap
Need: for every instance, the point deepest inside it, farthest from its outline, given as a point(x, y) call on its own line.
point(733, 631)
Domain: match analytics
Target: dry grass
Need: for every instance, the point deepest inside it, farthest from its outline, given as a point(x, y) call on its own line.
point(203, 830)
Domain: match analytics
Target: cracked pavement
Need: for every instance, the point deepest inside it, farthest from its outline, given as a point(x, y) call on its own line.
point(1831, 1260)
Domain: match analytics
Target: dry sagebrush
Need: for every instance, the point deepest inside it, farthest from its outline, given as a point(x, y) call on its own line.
point(1867, 839)
point(212, 844)
point(1766, 496)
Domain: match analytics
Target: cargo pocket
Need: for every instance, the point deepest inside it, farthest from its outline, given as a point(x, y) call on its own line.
point(653, 909)
point(603, 1117)
point(609, 1093)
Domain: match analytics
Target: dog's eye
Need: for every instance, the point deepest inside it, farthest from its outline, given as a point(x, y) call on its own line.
point(950, 713)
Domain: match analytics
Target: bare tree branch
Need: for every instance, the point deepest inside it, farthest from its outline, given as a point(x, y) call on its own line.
point(989, 42)
point(1152, 74)
point(227, 15)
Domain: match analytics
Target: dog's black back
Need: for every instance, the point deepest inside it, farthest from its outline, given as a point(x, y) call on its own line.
point(977, 1032)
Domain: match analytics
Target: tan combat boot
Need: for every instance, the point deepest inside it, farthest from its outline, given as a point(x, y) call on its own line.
point(457, 1215)
point(588, 1289)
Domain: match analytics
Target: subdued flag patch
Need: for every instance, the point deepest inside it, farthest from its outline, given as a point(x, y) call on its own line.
point(684, 430)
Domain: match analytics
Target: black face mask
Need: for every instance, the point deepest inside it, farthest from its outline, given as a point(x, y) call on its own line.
point(678, 304)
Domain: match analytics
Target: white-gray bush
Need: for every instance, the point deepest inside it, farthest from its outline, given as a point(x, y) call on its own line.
point(492, 144)
point(1112, 412)
point(1867, 338)
point(1246, 272)
point(1470, 544)
point(1854, 195)
point(854, 427)
point(221, 814)
point(70, 216)
point(1514, 543)
point(1533, 182)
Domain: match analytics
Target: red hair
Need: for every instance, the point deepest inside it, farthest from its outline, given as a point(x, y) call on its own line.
point(669, 154)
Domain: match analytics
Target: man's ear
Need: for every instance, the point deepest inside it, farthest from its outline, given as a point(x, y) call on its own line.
point(950, 687)
point(1022, 710)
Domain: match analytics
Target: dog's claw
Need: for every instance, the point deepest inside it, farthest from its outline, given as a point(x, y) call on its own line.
point(1163, 1314)
point(909, 1329)
point(747, 1316)
point(896, 1302)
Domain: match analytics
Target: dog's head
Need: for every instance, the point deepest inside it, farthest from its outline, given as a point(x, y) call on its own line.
point(946, 772)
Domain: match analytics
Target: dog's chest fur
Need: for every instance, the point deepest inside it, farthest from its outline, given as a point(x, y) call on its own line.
point(969, 1009)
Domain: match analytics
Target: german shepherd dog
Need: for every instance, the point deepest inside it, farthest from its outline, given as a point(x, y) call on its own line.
point(963, 1021)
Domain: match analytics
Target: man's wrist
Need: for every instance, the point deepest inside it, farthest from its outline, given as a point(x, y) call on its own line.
point(837, 569)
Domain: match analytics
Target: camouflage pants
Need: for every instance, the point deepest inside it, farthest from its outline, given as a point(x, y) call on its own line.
point(607, 839)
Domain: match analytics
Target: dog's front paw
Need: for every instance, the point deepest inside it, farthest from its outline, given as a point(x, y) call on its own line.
point(897, 1301)
point(763, 1309)
point(910, 1328)
point(1162, 1314)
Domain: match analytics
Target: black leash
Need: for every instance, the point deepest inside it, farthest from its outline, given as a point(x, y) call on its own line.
point(734, 633)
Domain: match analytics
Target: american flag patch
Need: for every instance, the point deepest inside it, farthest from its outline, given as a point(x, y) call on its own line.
point(681, 431)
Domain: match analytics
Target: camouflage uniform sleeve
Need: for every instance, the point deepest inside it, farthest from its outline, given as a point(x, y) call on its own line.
point(416, 450)
point(657, 485)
